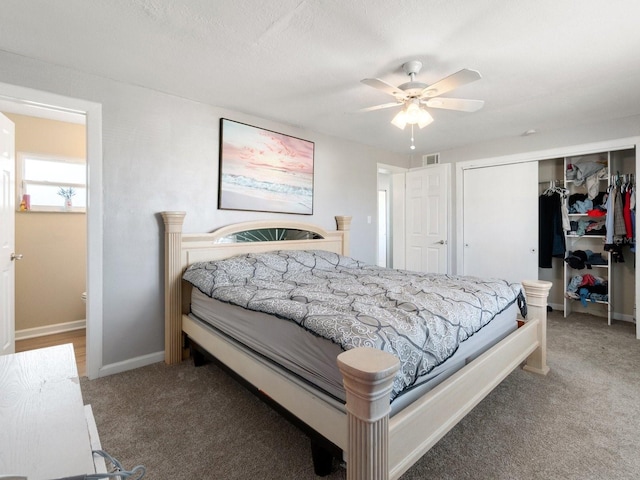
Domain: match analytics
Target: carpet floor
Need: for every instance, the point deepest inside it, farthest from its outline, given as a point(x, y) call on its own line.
point(581, 421)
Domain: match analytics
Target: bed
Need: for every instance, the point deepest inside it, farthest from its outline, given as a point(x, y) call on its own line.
point(379, 438)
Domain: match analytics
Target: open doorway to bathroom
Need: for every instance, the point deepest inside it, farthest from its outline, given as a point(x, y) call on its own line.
point(42, 101)
point(50, 229)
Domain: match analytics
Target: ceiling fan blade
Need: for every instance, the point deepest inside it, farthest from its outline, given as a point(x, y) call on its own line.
point(380, 107)
point(447, 84)
point(460, 104)
point(385, 87)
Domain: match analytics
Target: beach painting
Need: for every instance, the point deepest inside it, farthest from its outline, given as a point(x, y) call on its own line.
point(264, 171)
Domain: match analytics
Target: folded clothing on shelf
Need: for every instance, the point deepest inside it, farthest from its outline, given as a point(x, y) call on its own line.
point(580, 259)
point(587, 287)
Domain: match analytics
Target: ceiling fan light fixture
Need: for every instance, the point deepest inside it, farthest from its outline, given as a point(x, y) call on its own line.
point(413, 112)
point(400, 120)
point(424, 118)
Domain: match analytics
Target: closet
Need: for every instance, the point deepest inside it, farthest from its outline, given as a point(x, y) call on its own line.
point(596, 272)
point(497, 209)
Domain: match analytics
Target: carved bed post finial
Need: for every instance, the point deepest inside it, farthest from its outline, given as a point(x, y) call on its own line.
point(343, 223)
point(368, 376)
point(173, 286)
point(537, 292)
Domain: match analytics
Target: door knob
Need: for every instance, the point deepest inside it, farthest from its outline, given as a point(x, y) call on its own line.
point(16, 257)
point(442, 242)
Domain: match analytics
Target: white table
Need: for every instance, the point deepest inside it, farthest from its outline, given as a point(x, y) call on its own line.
point(44, 426)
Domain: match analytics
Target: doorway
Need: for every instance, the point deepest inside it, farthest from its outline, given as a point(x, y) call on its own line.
point(383, 228)
point(415, 217)
point(40, 102)
point(50, 230)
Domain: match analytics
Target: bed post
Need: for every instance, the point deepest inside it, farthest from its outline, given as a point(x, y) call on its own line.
point(344, 225)
point(173, 286)
point(368, 376)
point(537, 292)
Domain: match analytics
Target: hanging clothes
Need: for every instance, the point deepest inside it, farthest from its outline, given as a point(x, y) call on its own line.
point(626, 213)
point(620, 218)
point(551, 242)
point(633, 218)
point(619, 230)
point(609, 218)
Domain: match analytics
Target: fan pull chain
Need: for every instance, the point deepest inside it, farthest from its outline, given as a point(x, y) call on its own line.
point(413, 147)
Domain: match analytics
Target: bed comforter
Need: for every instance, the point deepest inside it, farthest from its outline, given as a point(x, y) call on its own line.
point(420, 318)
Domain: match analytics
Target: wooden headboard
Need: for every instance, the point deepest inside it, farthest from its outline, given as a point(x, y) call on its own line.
point(181, 250)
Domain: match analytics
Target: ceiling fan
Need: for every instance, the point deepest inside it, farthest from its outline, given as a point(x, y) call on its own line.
point(415, 96)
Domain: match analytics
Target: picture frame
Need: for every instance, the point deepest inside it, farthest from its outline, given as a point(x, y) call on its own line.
point(264, 171)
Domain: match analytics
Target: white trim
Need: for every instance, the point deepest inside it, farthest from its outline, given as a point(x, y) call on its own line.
point(557, 306)
point(623, 317)
point(131, 363)
point(93, 115)
point(559, 152)
point(50, 329)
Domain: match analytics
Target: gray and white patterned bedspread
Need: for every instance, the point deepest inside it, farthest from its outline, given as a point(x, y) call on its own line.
point(420, 318)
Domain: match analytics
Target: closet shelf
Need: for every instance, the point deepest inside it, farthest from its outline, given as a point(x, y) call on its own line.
point(567, 181)
point(606, 265)
point(585, 236)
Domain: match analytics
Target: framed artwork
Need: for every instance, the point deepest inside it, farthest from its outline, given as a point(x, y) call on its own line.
point(264, 171)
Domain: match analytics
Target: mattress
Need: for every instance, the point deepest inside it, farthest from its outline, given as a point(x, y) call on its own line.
point(421, 318)
point(313, 358)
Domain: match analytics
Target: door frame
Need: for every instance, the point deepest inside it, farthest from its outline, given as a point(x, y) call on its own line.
point(397, 206)
point(536, 156)
point(447, 173)
point(93, 115)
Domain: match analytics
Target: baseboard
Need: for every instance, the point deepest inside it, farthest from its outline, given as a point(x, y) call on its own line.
point(131, 364)
point(50, 329)
point(623, 317)
point(557, 306)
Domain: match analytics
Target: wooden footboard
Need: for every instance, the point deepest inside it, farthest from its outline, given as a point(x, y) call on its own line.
point(375, 446)
point(382, 448)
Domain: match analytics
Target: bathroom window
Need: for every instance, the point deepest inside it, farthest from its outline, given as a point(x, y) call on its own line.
point(51, 184)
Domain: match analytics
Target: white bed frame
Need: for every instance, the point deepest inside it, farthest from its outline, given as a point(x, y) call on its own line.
point(375, 446)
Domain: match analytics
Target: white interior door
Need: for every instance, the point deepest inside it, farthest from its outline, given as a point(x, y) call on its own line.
point(427, 219)
point(7, 235)
point(398, 227)
point(383, 226)
point(500, 221)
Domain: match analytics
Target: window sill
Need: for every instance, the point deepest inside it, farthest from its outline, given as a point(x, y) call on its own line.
point(79, 210)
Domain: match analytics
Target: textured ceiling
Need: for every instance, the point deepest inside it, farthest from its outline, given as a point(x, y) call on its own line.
point(546, 64)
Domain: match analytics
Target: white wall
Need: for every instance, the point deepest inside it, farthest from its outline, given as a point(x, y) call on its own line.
point(160, 152)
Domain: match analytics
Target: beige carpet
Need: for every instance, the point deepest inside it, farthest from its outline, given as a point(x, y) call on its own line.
point(582, 421)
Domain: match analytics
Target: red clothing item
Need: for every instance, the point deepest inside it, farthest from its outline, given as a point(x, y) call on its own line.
point(596, 213)
point(626, 212)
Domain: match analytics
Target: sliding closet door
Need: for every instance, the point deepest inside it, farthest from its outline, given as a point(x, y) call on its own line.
point(500, 221)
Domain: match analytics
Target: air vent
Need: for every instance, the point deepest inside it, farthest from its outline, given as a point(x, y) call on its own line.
point(430, 159)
